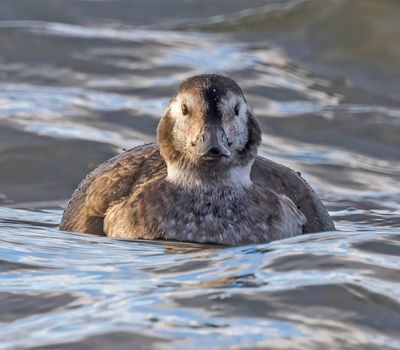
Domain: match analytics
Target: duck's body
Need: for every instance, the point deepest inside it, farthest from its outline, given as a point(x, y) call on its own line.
point(129, 197)
point(227, 195)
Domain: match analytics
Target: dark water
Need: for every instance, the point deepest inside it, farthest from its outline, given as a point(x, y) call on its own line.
point(81, 80)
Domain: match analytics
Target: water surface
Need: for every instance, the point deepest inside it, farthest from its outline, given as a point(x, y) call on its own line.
point(82, 80)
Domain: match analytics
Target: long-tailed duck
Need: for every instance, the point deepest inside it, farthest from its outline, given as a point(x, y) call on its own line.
point(202, 182)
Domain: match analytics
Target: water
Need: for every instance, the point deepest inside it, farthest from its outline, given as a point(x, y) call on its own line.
point(82, 80)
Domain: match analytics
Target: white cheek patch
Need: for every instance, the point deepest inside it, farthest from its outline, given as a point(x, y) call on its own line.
point(175, 108)
point(235, 126)
point(189, 100)
point(180, 129)
point(175, 111)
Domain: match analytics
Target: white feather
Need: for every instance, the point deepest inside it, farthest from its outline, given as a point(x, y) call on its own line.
point(237, 177)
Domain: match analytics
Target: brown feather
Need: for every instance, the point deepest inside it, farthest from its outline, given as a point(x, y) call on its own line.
point(173, 191)
point(119, 179)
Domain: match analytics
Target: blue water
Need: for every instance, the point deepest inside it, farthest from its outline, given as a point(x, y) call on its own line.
point(82, 80)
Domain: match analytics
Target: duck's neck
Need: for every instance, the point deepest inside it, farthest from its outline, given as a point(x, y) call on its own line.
point(195, 178)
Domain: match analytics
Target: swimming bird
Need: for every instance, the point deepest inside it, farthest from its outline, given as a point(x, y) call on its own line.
point(202, 182)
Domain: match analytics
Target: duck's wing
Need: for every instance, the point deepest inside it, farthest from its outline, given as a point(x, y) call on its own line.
point(107, 184)
point(283, 180)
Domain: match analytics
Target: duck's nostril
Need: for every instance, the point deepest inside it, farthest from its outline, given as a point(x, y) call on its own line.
point(214, 151)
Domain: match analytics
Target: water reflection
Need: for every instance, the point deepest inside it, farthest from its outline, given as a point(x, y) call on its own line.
point(310, 289)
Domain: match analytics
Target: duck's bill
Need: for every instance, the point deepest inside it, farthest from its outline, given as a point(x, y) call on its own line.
point(214, 144)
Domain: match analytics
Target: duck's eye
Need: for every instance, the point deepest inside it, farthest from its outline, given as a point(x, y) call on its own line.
point(185, 109)
point(237, 109)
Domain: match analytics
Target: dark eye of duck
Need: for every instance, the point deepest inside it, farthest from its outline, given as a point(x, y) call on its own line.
point(237, 109)
point(185, 109)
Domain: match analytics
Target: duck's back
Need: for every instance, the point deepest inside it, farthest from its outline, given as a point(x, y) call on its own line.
point(108, 184)
point(116, 180)
point(284, 180)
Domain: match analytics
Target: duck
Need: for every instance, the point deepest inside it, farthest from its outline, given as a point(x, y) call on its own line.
point(202, 181)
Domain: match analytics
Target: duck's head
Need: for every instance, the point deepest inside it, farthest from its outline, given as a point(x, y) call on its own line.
point(208, 130)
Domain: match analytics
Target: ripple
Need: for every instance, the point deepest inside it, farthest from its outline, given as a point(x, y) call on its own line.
point(79, 84)
point(308, 288)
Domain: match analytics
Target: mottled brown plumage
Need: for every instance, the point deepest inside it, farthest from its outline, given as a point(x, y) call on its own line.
point(196, 184)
